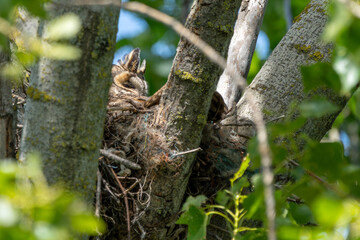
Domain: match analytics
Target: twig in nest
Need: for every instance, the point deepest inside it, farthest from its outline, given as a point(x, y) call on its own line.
point(143, 233)
point(126, 203)
point(120, 160)
point(106, 185)
point(131, 187)
point(186, 152)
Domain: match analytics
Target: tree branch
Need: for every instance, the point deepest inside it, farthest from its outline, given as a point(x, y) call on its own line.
point(241, 49)
point(278, 84)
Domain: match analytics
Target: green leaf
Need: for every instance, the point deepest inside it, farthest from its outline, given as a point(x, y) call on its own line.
point(238, 185)
point(301, 213)
point(8, 215)
point(339, 21)
point(194, 201)
point(61, 51)
point(87, 223)
point(351, 179)
point(348, 71)
point(244, 165)
point(320, 75)
point(222, 198)
point(328, 211)
point(196, 220)
point(287, 127)
point(317, 108)
point(324, 159)
point(254, 204)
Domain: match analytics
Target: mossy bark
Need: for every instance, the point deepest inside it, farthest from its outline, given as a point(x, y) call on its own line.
point(6, 114)
point(279, 84)
point(185, 103)
point(66, 102)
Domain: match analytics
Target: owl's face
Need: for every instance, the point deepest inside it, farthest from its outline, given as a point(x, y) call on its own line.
point(128, 73)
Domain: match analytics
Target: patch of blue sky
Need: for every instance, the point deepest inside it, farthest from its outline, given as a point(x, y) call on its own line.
point(263, 45)
point(130, 25)
point(163, 49)
point(345, 139)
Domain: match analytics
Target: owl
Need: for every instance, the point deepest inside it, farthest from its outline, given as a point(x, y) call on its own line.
point(128, 76)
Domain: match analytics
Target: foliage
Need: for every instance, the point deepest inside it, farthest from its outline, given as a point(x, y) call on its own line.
point(318, 197)
point(26, 47)
point(30, 209)
point(228, 207)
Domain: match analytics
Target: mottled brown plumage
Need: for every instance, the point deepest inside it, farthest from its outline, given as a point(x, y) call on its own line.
point(128, 77)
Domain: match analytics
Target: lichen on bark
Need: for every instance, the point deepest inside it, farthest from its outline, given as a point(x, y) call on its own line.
point(65, 110)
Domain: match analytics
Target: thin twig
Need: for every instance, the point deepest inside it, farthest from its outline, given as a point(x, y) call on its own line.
point(120, 160)
point(317, 178)
point(187, 152)
point(98, 198)
point(98, 194)
point(126, 204)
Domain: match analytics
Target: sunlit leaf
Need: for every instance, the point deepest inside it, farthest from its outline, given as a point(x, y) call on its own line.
point(13, 71)
point(64, 27)
point(244, 165)
point(193, 201)
point(329, 211)
point(61, 52)
point(340, 20)
point(348, 71)
point(8, 215)
point(87, 223)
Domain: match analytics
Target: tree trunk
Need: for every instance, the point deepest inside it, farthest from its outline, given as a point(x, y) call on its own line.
point(185, 102)
point(6, 114)
point(279, 82)
point(66, 101)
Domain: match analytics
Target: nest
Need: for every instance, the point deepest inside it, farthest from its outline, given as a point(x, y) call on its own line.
point(135, 151)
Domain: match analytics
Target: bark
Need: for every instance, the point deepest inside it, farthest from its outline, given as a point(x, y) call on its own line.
point(6, 114)
point(66, 101)
point(241, 49)
point(279, 84)
point(186, 99)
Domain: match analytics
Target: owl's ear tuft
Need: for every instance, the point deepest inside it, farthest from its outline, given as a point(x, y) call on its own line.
point(142, 68)
point(132, 60)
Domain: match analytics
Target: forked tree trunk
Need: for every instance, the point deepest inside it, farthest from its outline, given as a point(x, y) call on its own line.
point(279, 82)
